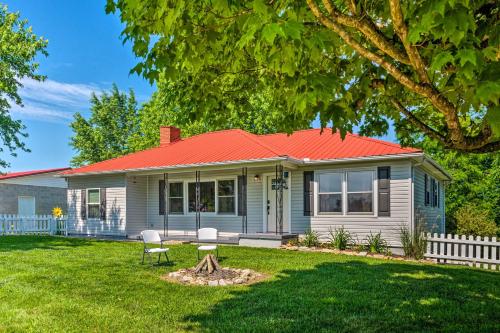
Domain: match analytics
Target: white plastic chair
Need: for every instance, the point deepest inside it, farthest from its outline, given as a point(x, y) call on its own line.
point(153, 237)
point(208, 234)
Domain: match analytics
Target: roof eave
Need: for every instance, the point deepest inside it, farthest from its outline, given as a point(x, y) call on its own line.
point(174, 167)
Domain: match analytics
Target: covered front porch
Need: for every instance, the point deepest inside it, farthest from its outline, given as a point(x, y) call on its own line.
point(249, 204)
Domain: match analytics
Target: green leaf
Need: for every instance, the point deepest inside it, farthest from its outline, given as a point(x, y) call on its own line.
point(488, 92)
point(467, 55)
point(293, 29)
point(270, 32)
point(493, 117)
point(441, 59)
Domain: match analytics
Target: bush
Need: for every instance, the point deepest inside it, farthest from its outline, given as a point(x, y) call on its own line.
point(414, 244)
point(340, 238)
point(376, 244)
point(476, 221)
point(311, 238)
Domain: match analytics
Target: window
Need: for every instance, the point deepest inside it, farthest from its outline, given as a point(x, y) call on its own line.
point(207, 197)
point(435, 196)
point(176, 198)
point(330, 192)
point(360, 191)
point(93, 203)
point(226, 199)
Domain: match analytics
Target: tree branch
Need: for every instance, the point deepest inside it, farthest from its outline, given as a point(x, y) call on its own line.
point(371, 32)
point(402, 31)
point(440, 102)
point(417, 122)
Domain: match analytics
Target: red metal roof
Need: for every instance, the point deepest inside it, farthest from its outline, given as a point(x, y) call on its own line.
point(238, 145)
point(29, 173)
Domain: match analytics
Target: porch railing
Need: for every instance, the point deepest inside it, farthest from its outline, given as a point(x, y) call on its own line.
point(36, 224)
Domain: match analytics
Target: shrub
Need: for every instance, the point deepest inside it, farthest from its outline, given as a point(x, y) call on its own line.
point(340, 238)
point(473, 220)
point(311, 238)
point(376, 244)
point(414, 243)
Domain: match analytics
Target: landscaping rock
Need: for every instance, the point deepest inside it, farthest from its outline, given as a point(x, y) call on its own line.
point(223, 277)
point(213, 283)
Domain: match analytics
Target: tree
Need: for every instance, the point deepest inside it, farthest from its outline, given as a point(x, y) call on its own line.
point(429, 66)
point(106, 133)
point(18, 48)
point(476, 181)
point(252, 113)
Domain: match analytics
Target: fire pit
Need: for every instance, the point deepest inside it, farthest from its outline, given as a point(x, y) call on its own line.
point(208, 272)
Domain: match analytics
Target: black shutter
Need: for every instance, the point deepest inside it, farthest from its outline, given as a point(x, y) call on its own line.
point(161, 197)
point(384, 191)
point(438, 194)
point(83, 206)
point(308, 193)
point(426, 192)
point(242, 204)
point(434, 193)
point(102, 207)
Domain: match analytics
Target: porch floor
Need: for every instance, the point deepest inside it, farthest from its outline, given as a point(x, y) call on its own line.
point(236, 239)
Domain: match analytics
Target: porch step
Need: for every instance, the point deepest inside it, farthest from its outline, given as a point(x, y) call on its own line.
point(269, 240)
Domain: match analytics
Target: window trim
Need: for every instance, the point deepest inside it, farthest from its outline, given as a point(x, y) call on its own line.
point(344, 212)
point(88, 204)
point(353, 192)
point(318, 193)
point(235, 184)
point(216, 180)
point(170, 197)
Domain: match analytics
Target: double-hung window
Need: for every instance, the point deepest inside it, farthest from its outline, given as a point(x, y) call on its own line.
point(93, 203)
point(330, 192)
point(176, 198)
point(360, 191)
point(207, 197)
point(226, 197)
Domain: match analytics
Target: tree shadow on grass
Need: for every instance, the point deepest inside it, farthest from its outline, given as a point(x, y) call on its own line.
point(356, 296)
point(26, 243)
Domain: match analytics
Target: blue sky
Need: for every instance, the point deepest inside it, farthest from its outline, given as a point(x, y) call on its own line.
point(86, 55)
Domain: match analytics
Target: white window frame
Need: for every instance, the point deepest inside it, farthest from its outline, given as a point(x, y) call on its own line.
point(235, 187)
point(354, 192)
point(341, 193)
point(216, 181)
point(87, 204)
point(169, 197)
point(345, 212)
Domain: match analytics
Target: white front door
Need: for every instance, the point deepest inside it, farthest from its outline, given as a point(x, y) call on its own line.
point(26, 206)
point(271, 205)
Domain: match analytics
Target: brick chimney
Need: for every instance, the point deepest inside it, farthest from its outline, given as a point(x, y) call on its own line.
point(169, 134)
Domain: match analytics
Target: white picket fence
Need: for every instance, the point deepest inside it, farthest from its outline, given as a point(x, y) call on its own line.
point(462, 250)
point(34, 225)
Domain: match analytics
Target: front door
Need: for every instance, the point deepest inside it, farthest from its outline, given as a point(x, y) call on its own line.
point(271, 204)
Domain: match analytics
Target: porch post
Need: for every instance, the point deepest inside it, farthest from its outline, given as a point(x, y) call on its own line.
point(197, 201)
point(243, 203)
point(279, 198)
point(165, 216)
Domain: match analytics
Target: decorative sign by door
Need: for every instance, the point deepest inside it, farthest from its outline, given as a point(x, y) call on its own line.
point(276, 183)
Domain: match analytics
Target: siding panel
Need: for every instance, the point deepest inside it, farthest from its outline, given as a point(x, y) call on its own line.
point(115, 208)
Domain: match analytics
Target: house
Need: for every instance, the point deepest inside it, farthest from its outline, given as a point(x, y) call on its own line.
point(259, 189)
point(34, 192)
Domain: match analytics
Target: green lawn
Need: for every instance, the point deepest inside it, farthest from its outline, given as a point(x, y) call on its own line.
point(66, 284)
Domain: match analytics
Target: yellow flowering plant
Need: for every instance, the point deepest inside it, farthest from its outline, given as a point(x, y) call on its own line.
point(57, 212)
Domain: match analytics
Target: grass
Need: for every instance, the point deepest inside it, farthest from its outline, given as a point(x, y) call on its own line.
point(51, 284)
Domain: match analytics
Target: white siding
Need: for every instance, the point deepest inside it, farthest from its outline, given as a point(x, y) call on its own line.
point(115, 205)
point(358, 225)
point(46, 179)
point(137, 205)
point(433, 216)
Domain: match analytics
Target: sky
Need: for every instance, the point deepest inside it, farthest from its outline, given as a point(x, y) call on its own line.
point(86, 55)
